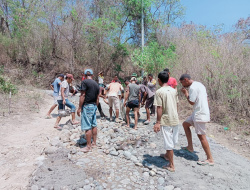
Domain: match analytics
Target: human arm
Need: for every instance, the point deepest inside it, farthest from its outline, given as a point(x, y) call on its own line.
point(126, 97)
point(97, 100)
point(144, 98)
point(81, 100)
point(139, 98)
point(186, 94)
point(157, 126)
point(52, 87)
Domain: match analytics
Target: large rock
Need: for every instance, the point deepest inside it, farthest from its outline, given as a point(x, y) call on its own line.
point(50, 150)
point(169, 187)
point(127, 154)
point(114, 153)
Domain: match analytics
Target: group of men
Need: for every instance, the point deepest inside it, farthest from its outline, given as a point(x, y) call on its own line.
point(164, 99)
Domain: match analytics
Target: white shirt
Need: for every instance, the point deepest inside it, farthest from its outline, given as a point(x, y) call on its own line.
point(198, 95)
point(100, 79)
point(66, 91)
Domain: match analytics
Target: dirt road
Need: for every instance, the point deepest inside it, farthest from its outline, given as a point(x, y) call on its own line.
point(24, 137)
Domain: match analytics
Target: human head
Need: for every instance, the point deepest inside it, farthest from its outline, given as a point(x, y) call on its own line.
point(69, 78)
point(61, 77)
point(133, 80)
point(88, 72)
point(185, 80)
point(167, 70)
point(163, 77)
point(150, 76)
point(126, 82)
point(116, 78)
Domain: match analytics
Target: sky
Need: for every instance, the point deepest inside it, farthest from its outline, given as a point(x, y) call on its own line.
point(215, 12)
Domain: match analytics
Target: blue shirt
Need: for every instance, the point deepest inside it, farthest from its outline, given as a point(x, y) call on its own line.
point(56, 86)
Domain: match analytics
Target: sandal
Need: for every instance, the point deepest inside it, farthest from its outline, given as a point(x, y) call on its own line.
point(86, 149)
point(58, 127)
point(48, 117)
point(168, 168)
point(75, 122)
point(204, 163)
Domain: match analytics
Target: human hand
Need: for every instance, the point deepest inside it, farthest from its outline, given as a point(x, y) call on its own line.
point(64, 101)
point(79, 111)
point(157, 127)
point(184, 91)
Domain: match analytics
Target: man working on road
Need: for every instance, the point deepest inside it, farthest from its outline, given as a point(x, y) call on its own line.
point(152, 87)
point(89, 99)
point(197, 96)
point(172, 81)
point(63, 100)
point(101, 95)
point(55, 86)
point(148, 97)
point(132, 98)
point(114, 88)
point(167, 117)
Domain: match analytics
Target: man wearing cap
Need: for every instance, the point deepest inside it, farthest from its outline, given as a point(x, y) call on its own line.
point(89, 99)
point(132, 100)
point(55, 86)
point(63, 100)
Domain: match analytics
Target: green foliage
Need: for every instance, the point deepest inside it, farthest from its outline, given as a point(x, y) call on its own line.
point(154, 57)
point(7, 86)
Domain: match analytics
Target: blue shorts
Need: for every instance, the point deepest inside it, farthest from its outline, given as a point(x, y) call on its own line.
point(88, 117)
point(133, 104)
point(68, 104)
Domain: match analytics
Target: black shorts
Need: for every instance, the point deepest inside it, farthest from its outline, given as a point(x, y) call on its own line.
point(133, 104)
point(149, 102)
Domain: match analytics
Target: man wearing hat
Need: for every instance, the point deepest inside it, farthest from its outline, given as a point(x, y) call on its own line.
point(89, 99)
point(63, 100)
point(55, 86)
point(132, 100)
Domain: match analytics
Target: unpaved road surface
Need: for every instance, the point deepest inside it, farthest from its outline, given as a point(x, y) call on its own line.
point(30, 161)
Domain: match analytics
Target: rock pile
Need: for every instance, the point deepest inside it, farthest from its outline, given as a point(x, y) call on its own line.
point(124, 158)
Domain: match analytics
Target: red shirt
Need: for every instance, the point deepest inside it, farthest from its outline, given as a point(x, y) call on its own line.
point(83, 78)
point(172, 82)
